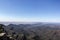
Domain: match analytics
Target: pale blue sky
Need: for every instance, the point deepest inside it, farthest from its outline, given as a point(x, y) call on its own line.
point(30, 10)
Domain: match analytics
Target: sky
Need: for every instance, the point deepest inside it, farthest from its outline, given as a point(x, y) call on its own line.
point(30, 10)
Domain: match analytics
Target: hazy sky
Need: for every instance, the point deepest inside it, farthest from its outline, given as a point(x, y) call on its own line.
point(30, 10)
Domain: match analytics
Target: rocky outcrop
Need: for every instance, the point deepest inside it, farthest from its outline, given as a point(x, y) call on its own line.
point(3, 35)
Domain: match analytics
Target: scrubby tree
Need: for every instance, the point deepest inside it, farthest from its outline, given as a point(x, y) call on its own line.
point(36, 37)
point(24, 37)
point(1, 28)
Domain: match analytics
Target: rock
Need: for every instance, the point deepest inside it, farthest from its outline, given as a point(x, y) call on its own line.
point(2, 34)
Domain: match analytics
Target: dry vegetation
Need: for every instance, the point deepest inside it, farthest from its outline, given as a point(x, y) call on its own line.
point(29, 32)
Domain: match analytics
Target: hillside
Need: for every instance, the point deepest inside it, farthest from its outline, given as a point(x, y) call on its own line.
point(39, 31)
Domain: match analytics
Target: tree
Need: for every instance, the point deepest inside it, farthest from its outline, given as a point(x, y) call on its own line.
point(1, 28)
point(24, 37)
point(36, 37)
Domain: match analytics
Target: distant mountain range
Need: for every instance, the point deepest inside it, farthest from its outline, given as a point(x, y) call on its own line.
point(7, 23)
